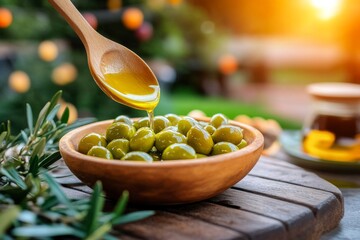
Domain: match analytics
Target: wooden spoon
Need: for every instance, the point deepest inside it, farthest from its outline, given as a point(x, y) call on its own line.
point(118, 71)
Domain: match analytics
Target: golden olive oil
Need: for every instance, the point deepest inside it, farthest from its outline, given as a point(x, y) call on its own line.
point(133, 91)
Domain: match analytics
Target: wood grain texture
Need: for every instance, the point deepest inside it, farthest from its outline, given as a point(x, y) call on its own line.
point(276, 200)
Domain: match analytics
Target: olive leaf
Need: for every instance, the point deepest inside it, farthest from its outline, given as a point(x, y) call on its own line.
point(29, 117)
point(42, 231)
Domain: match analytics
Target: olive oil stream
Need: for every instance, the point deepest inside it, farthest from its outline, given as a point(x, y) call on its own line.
point(133, 91)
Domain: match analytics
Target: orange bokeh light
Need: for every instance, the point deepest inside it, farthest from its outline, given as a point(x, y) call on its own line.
point(48, 51)
point(5, 17)
point(19, 81)
point(64, 74)
point(132, 18)
point(227, 64)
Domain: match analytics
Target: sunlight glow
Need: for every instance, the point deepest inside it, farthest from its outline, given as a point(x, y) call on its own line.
point(326, 8)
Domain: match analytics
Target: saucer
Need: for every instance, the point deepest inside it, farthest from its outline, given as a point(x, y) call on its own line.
point(291, 143)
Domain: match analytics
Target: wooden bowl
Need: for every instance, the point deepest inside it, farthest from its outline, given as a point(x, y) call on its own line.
point(165, 182)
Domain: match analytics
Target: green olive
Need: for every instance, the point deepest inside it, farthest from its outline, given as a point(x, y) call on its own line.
point(165, 138)
point(228, 133)
point(142, 122)
point(223, 147)
point(160, 123)
point(242, 144)
point(118, 147)
point(138, 156)
point(173, 118)
point(101, 152)
point(124, 119)
point(119, 130)
point(200, 140)
point(218, 119)
point(185, 124)
point(90, 140)
point(178, 151)
point(171, 128)
point(143, 140)
point(199, 155)
point(210, 129)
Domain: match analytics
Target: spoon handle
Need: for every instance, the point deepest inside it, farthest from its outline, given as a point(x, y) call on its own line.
point(75, 19)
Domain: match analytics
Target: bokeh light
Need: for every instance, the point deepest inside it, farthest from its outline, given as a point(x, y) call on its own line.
point(48, 51)
point(145, 32)
point(227, 64)
point(19, 81)
point(114, 5)
point(64, 74)
point(132, 18)
point(326, 8)
point(6, 17)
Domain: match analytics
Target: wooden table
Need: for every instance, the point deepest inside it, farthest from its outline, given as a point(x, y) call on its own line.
point(277, 200)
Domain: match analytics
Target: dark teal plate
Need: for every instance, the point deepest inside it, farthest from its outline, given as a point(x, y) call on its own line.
point(291, 143)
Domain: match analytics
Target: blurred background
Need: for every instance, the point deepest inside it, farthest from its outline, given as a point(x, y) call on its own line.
point(231, 56)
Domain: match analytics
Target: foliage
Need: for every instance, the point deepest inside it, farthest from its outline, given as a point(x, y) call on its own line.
point(32, 204)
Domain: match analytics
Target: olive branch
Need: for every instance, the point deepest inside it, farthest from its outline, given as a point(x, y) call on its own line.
point(32, 203)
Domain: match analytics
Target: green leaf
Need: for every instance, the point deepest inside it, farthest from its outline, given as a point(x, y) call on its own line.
point(24, 136)
point(39, 148)
point(27, 216)
point(7, 217)
point(94, 211)
point(118, 210)
point(42, 231)
point(41, 117)
point(34, 165)
point(65, 115)
point(29, 116)
point(49, 160)
point(2, 137)
point(56, 190)
point(132, 217)
point(8, 130)
point(120, 206)
point(99, 232)
point(49, 202)
point(54, 100)
point(53, 112)
point(13, 176)
point(79, 123)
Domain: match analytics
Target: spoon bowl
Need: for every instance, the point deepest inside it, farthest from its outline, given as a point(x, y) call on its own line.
point(118, 71)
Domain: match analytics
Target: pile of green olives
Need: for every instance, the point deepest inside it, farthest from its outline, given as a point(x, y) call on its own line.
point(172, 137)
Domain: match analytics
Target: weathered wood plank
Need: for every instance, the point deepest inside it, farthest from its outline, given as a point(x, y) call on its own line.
point(75, 194)
point(277, 162)
point(327, 208)
point(300, 177)
point(253, 225)
point(164, 225)
point(298, 220)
